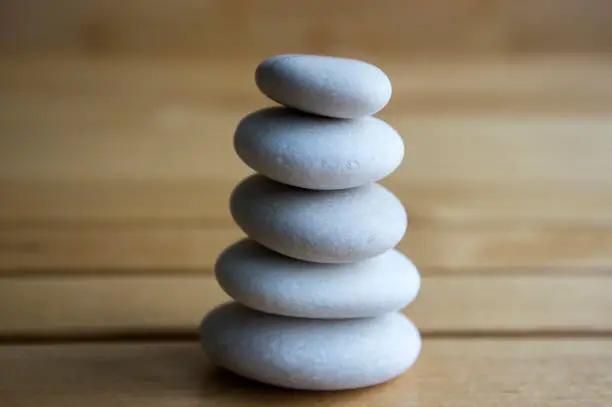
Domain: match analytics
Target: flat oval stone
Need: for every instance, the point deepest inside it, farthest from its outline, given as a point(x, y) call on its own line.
point(310, 354)
point(316, 152)
point(328, 86)
point(270, 282)
point(339, 226)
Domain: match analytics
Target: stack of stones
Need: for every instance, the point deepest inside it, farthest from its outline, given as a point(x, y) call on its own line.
point(318, 285)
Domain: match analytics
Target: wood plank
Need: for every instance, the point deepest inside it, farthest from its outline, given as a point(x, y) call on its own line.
point(66, 88)
point(474, 373)
point(217, 27)
point(78, 136)
point(122, 304)
point(205, 202)
point(137, 248)
point(440, 148)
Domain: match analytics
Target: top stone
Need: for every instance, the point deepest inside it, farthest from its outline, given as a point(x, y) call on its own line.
point(327, 86)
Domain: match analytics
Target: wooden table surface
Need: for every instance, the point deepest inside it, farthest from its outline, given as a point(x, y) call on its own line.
point(115, 175)
point(451, 372)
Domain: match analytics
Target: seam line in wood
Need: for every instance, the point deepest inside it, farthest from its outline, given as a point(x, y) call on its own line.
point(178, 272)
point(183, 336)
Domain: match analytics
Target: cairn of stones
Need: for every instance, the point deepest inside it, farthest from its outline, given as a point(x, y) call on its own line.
point(317, 284)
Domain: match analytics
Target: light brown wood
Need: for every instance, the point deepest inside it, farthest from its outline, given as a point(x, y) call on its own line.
point(123, 305)
point(128, 164)
point(138, 248)
point(528, 85)
point(115, 175)
point(487, 141)
point(449, 373)
point(205, 202)
point(108, 27)
point(80, 131)
point(116, 166)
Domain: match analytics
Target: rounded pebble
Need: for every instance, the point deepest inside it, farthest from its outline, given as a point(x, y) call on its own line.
point(315, 152)
point(310, 354)
point(324, 85)
point(338, 226)
point(270, 282)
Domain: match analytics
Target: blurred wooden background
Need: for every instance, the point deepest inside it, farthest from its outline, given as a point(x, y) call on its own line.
point(356, 27)
point(116, 161)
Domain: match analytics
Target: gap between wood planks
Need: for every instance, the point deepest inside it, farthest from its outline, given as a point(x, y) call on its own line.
point(427, 271)
point(181, 336)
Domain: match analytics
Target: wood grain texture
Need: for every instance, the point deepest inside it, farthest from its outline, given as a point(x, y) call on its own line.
point(127, 164)
point(204, 203)
point(116, 166)
point(528, 84)
point(449, 373)
point(61, 248)
point(172, 302)
point(115, 176)
point(188, 27)
point(86, 139)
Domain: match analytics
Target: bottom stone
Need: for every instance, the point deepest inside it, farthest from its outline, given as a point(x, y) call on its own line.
point(310, 354)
